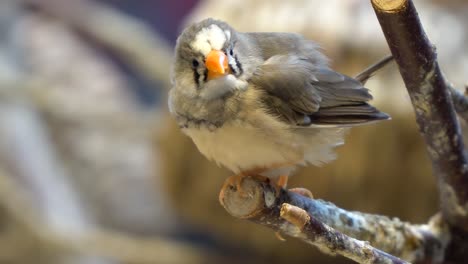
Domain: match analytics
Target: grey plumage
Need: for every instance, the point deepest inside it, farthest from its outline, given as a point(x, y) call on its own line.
point(313, 93)
point(278, 98)
point(298, 85)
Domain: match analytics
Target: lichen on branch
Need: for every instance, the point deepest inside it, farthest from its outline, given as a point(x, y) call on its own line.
point(362, 237)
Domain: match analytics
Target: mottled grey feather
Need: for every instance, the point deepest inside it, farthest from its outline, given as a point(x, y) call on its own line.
point(302, 93)
point(326, 75)
point(347, 115)
point(272, 44)
point(346, 92)
point(289, 78)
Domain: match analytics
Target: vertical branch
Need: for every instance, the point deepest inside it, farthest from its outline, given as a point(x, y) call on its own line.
point(417, 61)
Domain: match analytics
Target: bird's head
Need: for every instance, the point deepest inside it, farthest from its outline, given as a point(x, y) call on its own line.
point(207, 61)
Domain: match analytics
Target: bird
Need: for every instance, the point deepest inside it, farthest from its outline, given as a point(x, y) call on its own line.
point(261, 103)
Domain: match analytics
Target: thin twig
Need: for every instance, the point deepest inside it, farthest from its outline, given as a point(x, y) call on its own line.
point(459, 99)
point(333, 229)
point(367, 73)
point(417, 61)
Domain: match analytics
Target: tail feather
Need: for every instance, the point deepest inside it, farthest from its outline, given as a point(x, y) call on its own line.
point(348, 115)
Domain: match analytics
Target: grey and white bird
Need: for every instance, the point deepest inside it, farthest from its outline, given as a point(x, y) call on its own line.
point(263, 103)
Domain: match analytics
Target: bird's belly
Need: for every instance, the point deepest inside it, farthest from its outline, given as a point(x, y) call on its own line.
point(243, 148)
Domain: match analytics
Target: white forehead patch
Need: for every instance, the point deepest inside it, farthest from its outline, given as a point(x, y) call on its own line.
point(208, 39)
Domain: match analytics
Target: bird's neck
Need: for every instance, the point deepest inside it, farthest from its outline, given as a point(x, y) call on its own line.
point(198, 113)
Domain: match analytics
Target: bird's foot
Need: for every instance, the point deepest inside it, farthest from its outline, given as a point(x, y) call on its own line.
point(282, 182)
point(279, 236)
point(235, 183)
point(302, 191)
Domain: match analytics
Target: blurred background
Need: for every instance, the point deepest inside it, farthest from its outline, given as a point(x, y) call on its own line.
point(94, 170)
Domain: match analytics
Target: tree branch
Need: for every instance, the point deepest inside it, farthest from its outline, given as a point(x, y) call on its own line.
point(417, 61)
point(329, 240)
point(332, 229)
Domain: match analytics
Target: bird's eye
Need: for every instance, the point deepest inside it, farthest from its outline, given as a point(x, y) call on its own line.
point(231, 52)
point(195, 63)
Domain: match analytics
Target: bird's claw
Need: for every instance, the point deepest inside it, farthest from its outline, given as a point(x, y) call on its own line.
point(302, 191)
point(235, 183)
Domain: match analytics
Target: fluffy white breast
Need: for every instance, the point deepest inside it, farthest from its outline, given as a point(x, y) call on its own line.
point(240, 148)
point(209, 38)
point(243, 147)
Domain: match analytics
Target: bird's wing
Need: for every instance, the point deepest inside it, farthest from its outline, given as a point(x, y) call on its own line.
point(303, 94)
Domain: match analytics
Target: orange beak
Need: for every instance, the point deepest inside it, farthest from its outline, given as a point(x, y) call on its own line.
point(217, 64)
